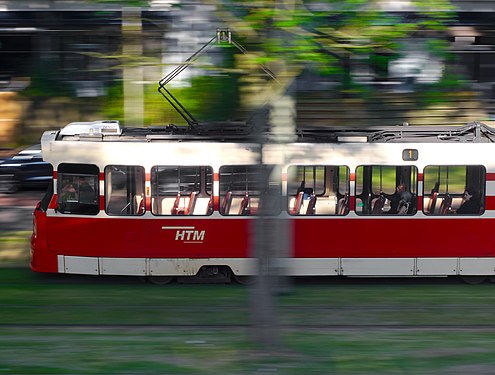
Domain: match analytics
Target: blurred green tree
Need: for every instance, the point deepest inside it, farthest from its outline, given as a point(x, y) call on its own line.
point(290, 36)
point(123, 3)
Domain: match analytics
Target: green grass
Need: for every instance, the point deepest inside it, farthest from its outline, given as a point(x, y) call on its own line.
point(14, 248)
point(165, 351)
point(60, 324)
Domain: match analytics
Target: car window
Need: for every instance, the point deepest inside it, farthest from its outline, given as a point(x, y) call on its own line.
point(29, 153)
point(32, 149)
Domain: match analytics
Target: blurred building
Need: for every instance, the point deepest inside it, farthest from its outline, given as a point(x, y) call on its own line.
point(70, 46)
point(68, 50)
point(404, 86)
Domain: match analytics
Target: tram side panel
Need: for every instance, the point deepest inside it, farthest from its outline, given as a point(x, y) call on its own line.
point(141, 238)
point(220, 237)
point(149, 238)
point(226, 238)
point(223, 239)
point(373, 237)
point(43, 259)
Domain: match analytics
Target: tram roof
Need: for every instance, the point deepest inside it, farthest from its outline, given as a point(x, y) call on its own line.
point(472, 132)
point(243, 132)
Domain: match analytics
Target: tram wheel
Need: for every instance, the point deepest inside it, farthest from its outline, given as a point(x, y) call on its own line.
point(244, 280)
point(473, 280)
point(160, 280)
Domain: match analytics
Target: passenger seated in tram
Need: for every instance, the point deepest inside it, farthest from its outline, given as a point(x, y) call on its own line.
point(86, 191)
point(82, 192)
point(68, 193)
point(470, 203)
point(400, 200)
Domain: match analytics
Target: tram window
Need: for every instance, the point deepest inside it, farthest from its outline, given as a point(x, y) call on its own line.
point(390, 190)
point(318, 190)
point(241, 188)
point(454, 189)
point(124, 190)
point(182, 190)
point(78, 189)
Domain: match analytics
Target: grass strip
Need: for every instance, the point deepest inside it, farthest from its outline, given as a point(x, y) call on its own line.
point(14, 248)
point(63, 324)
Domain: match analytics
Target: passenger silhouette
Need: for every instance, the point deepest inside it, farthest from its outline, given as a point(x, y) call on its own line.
point(401, 198)
point(86, 191)
point(470, 204)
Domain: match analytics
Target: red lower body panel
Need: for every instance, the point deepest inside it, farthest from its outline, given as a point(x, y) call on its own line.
point(232, 238)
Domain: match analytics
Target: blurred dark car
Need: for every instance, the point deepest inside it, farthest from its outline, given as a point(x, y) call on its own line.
point(25, 170)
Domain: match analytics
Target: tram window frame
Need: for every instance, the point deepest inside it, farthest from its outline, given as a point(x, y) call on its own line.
point(70, 179)
point(45, 201)
point(321, 190)
point(173, 193)
point(129, 184)
point(372, 202)
point(446, 197)
point(240, 189)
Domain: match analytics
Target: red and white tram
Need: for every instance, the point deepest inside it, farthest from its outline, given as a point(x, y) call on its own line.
point(162, 202)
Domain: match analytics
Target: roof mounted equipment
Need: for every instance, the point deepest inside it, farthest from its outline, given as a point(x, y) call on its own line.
point(92, 128)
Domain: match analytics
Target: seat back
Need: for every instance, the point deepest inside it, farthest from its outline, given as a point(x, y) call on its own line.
point(209, 211)
point(227, 202)
point(432, 203)
point(192, 202)
point(244, 209)
point(311, 205)
point(139, 204)
point(342, 204)
point(175, 207)
point(378, 205)
point(297, 204)
point(446, 204)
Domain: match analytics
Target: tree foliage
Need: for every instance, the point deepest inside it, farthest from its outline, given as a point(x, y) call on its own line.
point(321, 36)
point(128, 3)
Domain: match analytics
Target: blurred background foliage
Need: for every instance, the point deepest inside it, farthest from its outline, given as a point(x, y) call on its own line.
point(322, 52)
point(202, 97)
point(322, 35)
point(290, 37)
point(214, 96)
point(44, 82)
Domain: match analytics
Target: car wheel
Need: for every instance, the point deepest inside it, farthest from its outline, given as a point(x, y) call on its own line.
point(12, 186)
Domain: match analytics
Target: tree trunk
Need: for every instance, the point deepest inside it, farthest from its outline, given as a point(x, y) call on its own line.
point(133, 74)
point(272, 242)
